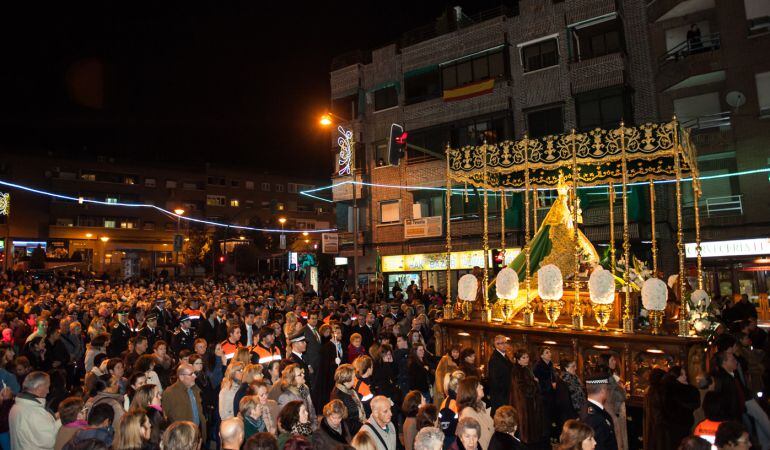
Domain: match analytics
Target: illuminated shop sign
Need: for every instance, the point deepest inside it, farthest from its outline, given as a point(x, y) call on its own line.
point(742, 247)
point(437, 261)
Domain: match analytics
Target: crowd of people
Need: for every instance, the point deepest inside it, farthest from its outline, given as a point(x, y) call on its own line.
point(243, 364)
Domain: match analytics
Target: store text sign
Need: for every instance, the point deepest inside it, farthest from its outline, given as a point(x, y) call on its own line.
point(743, 247)
point(437, 261)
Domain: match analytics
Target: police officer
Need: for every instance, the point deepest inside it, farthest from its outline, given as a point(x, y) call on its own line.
point(595, 415)
point(119, 335)
point(151, 331)
point(184, 338)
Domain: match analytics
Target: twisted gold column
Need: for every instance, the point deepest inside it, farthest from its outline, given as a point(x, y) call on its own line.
point(577, 308)
point(486, 312)
point(652, 230)
point(528, 313)
point(628, 320)
point(684, 328)
point(696, 193)
point(612, 227)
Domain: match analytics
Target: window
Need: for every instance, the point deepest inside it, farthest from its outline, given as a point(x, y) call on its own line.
point(604, 108)
point(474, 207)
point(111, 200)
point(67, 175)
point(475, 130)
point(149, 226)
point(280, 206)
point(292, 188)
point(234, 203)
point(129, 180)
point(346, 107)
point(598, 38)
point(265, 205)
point(249, 185)
point(304, 207)
point(422, 84)
point(278, 187)
point(149, 182)
point(249, 204)
point(234, 183)
point(190, 185)
point(466, 71)
point(266, 187)
point(381, 156)
point(430, 204)
point(385, 98)
point(215, 200)
point(170, 184)
point(217, 181)
point(128, 223)
point(109, 223)
point(390, 211)
point(61, 222)
point(88, 176)
point(541, 54)
point(758, 15)
point(545, 122)
point(717, 191)
point(763, 93)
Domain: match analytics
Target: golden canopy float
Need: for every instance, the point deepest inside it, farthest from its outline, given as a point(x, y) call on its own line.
point(612, 158)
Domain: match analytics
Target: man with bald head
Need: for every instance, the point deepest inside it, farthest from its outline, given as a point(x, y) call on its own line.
point(231, 433)
point(182, 400)
point(379, 426)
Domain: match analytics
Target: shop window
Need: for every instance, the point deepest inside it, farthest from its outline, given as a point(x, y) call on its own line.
point(422, 84)
point(545, 122)
point(128, 223)
point(385, 98)
point(539, 55)
point(599, 38)
point(470, 70)
point(604, 108)
point(763, 93)
point(88, 176)
point(112, 200)
point(390, 211)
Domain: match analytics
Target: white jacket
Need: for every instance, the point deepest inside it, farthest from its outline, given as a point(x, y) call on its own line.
point(32, 427)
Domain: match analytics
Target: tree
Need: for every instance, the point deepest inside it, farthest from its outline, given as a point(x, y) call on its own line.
point(196, 248)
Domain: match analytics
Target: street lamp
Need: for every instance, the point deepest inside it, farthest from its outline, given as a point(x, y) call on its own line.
point(177, 238)
point(347, 166)
point(104, 240)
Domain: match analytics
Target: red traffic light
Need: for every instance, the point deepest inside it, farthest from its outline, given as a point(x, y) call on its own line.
point(401, 140)
point(221, 259)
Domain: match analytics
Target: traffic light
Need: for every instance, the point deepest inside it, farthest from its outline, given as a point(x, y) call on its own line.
point(396, 144)
point(222, 259)
point(498, 260)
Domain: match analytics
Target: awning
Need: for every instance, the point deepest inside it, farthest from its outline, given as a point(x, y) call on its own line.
point(469, 90)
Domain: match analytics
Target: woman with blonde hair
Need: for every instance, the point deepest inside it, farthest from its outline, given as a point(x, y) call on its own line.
point(332, 430)
point(446, 365)
point(576, 436)
point(256, 416)
point(133, 432)
point(251, 373)
point(506, 423)
point(230, 384)
point(293, 387)
point(181, 435)
point(363, 441)
point(242, 355)
point(147, 396)
point(344, 379)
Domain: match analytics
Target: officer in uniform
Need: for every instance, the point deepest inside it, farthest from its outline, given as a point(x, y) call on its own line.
point(195, 314)
point(184, 338)
point(297, 356)
point(595, 415)
point(151, 331)
point(119, 335)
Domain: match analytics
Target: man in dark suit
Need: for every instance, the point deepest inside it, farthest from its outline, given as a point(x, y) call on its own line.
point(297, 356)
point(249, 330)
point(182, 400)
point(313, 353)
point(367, 330)
point(151, 331)
point(499, 374)
point(164, 316)
point(595, 415)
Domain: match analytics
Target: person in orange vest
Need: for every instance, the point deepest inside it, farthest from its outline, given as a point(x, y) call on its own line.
point(194, 313)
point(265, 351)
point(364, 368)
point(712, 409)
point(233, 341)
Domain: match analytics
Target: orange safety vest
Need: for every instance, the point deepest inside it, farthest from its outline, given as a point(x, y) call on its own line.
point(193, 314)
point(229, 349)
point(266, 355)
point(363, 390)
point(707, 429)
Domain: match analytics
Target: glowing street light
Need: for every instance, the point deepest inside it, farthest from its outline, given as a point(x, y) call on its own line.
point(282, 221)
point(179, 211)
point(89, 235)
point(326, 120)
point(104, 239)
point(304, 233)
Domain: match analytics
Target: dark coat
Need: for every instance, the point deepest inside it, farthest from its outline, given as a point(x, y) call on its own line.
point(353, 422)
point(525, 397)
point(325, 377)
point(679, 404)
point(601, 422)
point(294, 359)
point(499, 376)
point(419, 377)
point(367, 334)
point(312, 353)
point(176, 405)
point(504, 441)
point(244, 334)
point(326, 438)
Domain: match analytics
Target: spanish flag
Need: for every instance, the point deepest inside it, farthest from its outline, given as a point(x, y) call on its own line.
point(469, 90)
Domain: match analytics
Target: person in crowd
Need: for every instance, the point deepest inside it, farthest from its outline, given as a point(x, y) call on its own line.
point(412, 403)
point(655, 434)
point(715, 413)
point(95, 347)
point(313, 353)
point(427, 416)
point(99, 428)
point(446, 365)
point(146, 364)
point(251, 411)
point(139, 349)
point(182, 400)
point(525, 394)
point(135, 381)
point(230, 385)
point(384, 379)
point(596, 416)
point(159, 424)
point(576, 435)
point(182, 435)
point(331, 357)
point(470, 393)
point(251, 373)
point(680, 401)
point(364, 368)
point(429, 438)
point(71, 420)
point(294, 419)
point(449, 413)
point(273, 373)
point(298, 348)
point(333, 430)
point(694, 443)
point(506, 423)
point(732, 436)
point(293, 388)
point(356, 347)
point(344, 379)
point(163, 362)
point(261, 441)
point(468, 363)
point(231, 433)
point(468, 432)
point(107, 391)
point(146, 396)
point(133, 432)
point(546, 376)
point(499, 372)
point(419, 371)
point(575, 387)
point(615, 403)
point(379, 427)
point(363, 441)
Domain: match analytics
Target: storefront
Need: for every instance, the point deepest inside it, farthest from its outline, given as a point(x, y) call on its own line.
point(429, 269)
point(734, 267)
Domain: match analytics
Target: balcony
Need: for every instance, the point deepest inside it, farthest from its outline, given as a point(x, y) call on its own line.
point(724, 206)
point(759, 25)
point(707, 43)
point(712, 122)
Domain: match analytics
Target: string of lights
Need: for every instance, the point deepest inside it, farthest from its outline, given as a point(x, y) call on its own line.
point(456, 191)
point(82, 200)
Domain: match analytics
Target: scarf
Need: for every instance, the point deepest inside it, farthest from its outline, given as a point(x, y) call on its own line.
point(338, 436)
point(354, 395)
point(302, 429)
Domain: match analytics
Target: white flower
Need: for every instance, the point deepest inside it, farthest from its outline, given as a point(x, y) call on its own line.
point(644, 313)
point(549, 283)
point(467, 287)
point(672, 280)
point(654, 294)
point(601, 286)
point(507, 284)
point(701, 324)
point(700, 299)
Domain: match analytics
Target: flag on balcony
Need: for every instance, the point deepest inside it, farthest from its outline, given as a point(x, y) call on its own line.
point(469, 90)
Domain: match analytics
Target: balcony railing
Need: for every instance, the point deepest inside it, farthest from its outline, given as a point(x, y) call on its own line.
point(707, 43)
point(724, 206)
point(759, 25)
point(719, 120)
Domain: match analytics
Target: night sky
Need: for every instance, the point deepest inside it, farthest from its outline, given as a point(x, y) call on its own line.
point(227, 82)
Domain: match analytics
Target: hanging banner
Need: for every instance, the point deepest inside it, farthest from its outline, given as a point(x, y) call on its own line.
point(330, 243)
